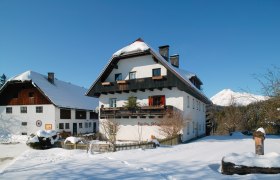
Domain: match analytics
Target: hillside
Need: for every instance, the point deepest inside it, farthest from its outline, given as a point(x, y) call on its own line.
point(228, 97)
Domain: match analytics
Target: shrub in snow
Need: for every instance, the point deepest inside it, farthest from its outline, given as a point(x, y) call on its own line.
point(43, 139)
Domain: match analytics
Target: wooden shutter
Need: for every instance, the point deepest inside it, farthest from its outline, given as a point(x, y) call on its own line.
point(150, 100)
point(162, 100)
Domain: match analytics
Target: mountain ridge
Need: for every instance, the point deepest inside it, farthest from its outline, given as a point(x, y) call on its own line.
point(228, 97)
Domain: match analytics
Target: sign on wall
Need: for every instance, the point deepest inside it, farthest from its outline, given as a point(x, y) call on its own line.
point(48, 126)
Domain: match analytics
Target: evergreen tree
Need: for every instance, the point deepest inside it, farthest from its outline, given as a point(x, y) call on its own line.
point(3, 79)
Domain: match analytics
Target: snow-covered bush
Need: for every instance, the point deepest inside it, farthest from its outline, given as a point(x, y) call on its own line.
point(43, 139)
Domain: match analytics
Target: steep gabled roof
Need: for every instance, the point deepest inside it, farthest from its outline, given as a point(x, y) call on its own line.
point(60, 93)
point(139, 47)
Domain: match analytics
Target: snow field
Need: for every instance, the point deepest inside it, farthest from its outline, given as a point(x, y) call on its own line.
point(197, 160)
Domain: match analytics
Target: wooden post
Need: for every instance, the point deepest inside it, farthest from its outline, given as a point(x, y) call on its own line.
point(259, 142)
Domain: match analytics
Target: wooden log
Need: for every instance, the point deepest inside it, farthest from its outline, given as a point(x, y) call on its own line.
point(229, 168)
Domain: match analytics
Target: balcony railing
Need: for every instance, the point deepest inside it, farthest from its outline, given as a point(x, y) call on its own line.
point(118, 112)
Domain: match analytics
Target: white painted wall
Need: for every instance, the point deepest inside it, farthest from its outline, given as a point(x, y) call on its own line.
point(13, 122)
point(129, 128)
point(143, 66)
point(73, 119)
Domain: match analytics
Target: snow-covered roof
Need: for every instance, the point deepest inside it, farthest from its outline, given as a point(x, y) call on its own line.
point(62, 94)
point(140, 46)
point(136, 46)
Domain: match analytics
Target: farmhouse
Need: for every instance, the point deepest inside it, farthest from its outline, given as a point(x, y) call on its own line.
point(32, 101)
point(156, 81)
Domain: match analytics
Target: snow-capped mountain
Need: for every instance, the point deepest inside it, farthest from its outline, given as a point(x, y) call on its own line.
point(228, 97)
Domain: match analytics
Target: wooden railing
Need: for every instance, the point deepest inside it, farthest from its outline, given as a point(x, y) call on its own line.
point(141, 111)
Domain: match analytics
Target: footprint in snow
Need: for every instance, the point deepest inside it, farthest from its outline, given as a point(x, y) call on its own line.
point(146, 169)
point(126, 163)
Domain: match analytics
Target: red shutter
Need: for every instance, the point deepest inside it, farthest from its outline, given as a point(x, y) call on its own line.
point(150, 100)
point(162, 101)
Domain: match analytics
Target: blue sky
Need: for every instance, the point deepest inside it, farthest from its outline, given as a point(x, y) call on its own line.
point(223, 42)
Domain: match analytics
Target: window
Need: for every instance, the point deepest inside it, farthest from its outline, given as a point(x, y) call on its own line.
point(81, 114)
point(24, 123)
point(196, 104)
point(23, 109)
point(94, 127)
point(39, 109)
point(157, 72)
point(89, 124)
point(188, 101)
point(65, 114)
point(9, 110)
point(132, 75)
point(156, 100)
point(61, 126)
point(188, 128)
point(193, 127)
point(86, 125)
point(118, 77)
point(193, 103)
point(67, 126)
point(80, 125)
point(113, 102)
point(93, 115)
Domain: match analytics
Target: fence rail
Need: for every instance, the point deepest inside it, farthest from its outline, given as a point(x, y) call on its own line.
point(119, 147)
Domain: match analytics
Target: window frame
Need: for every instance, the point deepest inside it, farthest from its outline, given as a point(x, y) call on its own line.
point(61, 126)
point(23, 123)
point(23, 109)
point(132, 75)
point(81, 114)
point(65, 113)
point(39, 109)
point(118, 77)
point(112, 102)
point(9, 110)
point(67, 125)
point(156, 72)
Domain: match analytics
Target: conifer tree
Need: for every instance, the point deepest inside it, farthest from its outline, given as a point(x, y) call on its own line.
point(2, 80)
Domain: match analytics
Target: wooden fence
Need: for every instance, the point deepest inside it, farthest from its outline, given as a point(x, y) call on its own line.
point(74, 146)
point(119, 147)
point(171, 141)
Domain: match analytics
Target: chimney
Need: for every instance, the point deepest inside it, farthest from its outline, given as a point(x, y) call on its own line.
point(174, 60)
point(164, 51)
point(51, 77)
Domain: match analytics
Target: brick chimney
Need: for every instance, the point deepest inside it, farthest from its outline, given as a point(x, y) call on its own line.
point(51, 77)
point(174, 60)
point(164, 51)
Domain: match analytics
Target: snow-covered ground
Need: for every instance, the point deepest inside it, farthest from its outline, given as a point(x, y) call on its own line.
point(200, 159)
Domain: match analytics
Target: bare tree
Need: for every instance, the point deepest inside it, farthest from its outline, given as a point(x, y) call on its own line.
point(172, 123)
point(270, 82)
point(110, 128)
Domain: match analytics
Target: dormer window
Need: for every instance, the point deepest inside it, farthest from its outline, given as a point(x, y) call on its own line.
point(118, 77)
point(156, 72)
point(132, 75)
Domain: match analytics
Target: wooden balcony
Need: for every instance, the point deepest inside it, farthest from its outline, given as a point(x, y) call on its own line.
point(144, 111)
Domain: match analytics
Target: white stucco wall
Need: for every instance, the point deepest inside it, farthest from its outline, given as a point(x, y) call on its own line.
point(141, 65)
point(73, 119)
point(12, 123)
point(129, 128)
